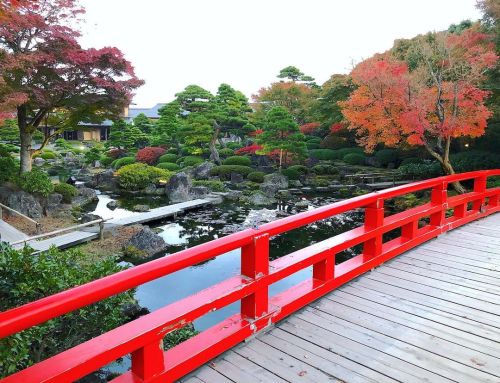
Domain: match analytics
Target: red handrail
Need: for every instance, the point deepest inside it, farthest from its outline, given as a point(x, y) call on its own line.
point(142, 337)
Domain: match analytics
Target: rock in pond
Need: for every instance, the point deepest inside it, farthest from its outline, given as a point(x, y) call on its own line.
point(112, 205)
point(141, 208)
point(144, 244)
point(202, 171)
point(260, 199)
point(88, 217)
point(178, 188)
point(84, 197)
point(272, 183)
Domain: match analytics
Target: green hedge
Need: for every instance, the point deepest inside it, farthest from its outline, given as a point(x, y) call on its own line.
point(67, 191)
point(189, 161)
point(238, 160)
point(474, 160)
point(36, 182)
point(299, 168)
point(226, 170)
point(120, 162)
point(256, 177)
point(411, 160)
point(226, 152)
point(321, 169)
point(291, 174)
point(341, 153)
point(169, 157)
point(323, 154)
point(139, 175)
point(354, 159)
point(168, 166)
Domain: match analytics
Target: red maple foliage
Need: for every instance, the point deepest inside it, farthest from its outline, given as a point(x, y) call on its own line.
point(150, 154)
point(429, 105)
point(46, 72)
point(256, 132)
point(309, 127)
point(251, 149)
point(337, 127)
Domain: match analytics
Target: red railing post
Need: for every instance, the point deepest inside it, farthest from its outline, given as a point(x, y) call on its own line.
point(409, 230)
point(325, 270)
point(374, 217)
point(439, 196)
point(479, 187)
point(148, 361)
point(255, 264)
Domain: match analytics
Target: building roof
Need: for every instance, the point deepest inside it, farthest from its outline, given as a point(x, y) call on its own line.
point(149, 112)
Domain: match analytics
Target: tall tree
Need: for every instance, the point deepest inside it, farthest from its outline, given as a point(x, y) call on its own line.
point(426, 93)
point(126, 136)
point(166, 129)
point(44, 69)
point(294, 74)
point(144, 124)
point(281, 133)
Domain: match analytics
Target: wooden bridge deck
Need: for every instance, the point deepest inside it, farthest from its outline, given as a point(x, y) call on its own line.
point(429, 315)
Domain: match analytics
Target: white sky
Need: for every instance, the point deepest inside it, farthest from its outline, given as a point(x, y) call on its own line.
point(174, 43)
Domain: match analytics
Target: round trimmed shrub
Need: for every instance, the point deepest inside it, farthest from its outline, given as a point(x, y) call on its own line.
point(299, 168)
point(189, 161)
point(322, 170)
point(226, 170)
point(226, 152)
point(323, 154)
point(48, 155)
point(172, 151)
point(292, 174)
point(67, 191)
point(139, 175)
point(233, 145)
point(169, 157)
point(341, 153)
point(36, 182)
point(312, 145)
point(237, 160)
point(149, 155)
point(117, 164)
point(387, 156)
point(168, 166)
point(256, 177)
point(105, 160)
point(354, 159)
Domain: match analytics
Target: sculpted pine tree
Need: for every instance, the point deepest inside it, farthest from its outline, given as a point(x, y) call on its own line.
point(166, 129)
point(45, 70)
point(425, 92)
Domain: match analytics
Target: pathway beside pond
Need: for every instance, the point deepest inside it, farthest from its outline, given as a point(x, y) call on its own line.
point(431, 314)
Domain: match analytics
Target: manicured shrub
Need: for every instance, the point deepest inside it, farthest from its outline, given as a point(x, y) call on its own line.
point(427, 169)
point(6, 149)
point(333, 141)
point(474, 160)
point(139, 175)
point(67, 191)
point(116, 153)
point(61, 143)
point(226, 170)
point(354, 159)
point(8, 169)
point(342, 152)
point(92, 155)
point(172, 151)
point(149, 155)
point(105, 160)
point(256, 177)
point(47, 155)
point(36, 182)
point(226, 152)
point(291, 174)
point(323, 154)
point(312, 145)
point(168, 166)
point(411, 160)
point(299, 168)
point(169, 157)
point(313, 139)
point(322, 169)
point(234, 145)
point(213, 185)
point(238, 160)
point(117, 164)
point(189, 161)
point(387, 156)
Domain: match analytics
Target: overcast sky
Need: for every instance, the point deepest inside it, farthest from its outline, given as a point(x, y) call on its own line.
point(174, 43)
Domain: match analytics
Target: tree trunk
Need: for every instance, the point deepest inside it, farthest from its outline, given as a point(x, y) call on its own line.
point(214, 154)
point(25, 136)
point(281, 158)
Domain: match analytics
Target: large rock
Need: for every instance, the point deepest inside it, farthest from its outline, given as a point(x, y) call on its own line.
point(144, 244)
point(202, 171)
point(39, 161)
point(236, 178)
point(89, 217)
point(24, 203)
point(84, 197)
point(260, 199)
point(141, 208)
point(178, 188)
point(199, 191)
point(272, 183)
point(105, 181)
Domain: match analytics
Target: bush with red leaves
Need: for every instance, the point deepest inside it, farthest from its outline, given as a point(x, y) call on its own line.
point(309, 128)
point(116, 153)
point(251, 149)
point(150, 154)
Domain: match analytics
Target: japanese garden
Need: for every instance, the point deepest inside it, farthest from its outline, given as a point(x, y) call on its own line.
point(91, 184)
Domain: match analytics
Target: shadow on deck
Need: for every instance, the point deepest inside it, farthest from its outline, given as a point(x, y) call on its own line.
point(432, 314)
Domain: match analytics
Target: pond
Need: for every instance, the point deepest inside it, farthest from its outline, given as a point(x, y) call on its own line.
point(213, 222)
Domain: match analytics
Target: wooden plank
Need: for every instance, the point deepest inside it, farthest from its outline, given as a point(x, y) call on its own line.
point(340, 300)
point(62, 241)
point(464, 247)
point(463, 255)
point(356, 351)
point(241, 369)
point(446, 270)
point(422, 280)
point(208, 375)
point(441, 304)
point(322, 359)
point(425, 359)
point(421, 311)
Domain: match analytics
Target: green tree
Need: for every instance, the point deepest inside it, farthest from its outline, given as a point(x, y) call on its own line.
point(196, 132)
point(294, 74)
point(25, 278)
point(281, 133)
point(126, 136)
point(166, 129)
point(142, 122)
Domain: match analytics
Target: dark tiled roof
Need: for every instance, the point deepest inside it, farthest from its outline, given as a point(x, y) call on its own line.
point(149, 112)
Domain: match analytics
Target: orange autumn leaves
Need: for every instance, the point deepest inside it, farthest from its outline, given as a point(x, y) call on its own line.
point(439, 98)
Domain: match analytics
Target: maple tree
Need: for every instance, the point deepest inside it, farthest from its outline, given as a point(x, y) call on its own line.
point(44, 71)
point(425, 91)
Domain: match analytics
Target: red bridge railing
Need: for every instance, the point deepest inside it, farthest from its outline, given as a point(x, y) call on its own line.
point(142, 337)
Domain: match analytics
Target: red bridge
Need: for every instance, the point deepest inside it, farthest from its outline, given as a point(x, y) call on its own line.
point(432, 314)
